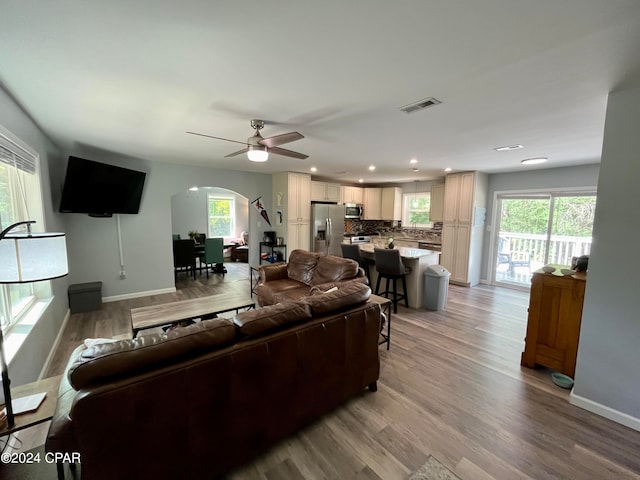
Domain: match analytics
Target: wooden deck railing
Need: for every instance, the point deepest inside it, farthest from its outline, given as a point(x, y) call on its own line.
point(561, 248)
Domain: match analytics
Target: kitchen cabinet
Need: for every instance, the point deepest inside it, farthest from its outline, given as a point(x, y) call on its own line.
point(352, 195)
point(437, 203)
point(325, 192)
point(372, 202)
point(293, 192)
point(391, 206)
point(383, 203)
point(463, 226)
point(555, 315)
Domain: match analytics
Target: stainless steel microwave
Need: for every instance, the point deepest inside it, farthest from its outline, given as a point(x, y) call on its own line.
point(353, 210)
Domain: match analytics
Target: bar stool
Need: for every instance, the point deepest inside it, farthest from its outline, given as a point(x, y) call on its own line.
point(389, 265)
point(353, 252)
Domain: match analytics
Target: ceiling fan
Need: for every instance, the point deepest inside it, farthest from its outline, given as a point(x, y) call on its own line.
point(259, 147)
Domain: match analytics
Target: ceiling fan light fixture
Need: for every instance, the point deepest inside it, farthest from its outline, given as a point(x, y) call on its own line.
point(257, 153)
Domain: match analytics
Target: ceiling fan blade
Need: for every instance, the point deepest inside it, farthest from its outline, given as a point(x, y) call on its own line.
point(287, 153)
point(281, 139)
point(244, 150)
point(217, 138)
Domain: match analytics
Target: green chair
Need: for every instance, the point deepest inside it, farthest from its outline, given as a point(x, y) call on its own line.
point(176, 236)
point(214, 255)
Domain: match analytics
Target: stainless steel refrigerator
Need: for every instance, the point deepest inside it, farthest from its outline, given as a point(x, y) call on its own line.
point(327, 228)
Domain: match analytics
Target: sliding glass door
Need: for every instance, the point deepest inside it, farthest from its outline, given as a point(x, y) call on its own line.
point(535, 229)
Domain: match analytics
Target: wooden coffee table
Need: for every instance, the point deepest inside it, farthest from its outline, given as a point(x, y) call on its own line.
point(168, 313)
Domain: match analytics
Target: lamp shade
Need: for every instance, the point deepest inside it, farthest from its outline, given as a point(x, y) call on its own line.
point(257, 153)
point(32, 257)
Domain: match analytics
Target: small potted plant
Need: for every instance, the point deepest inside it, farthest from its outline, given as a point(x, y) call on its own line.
point(193, 234)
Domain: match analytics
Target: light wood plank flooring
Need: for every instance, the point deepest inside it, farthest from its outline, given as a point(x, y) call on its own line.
point(451, 386)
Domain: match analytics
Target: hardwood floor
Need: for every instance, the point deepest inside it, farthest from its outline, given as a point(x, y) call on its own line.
point(451, 386)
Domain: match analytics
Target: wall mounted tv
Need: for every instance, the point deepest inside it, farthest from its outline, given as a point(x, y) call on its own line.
point(100, 189)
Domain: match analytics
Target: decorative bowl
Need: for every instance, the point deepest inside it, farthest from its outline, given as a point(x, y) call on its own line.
point(567, 271)
point(562, 380)
point(548, 269)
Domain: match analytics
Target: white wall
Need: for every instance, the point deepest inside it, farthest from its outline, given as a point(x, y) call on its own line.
point(146, 237)
point(28, 361)
point(607, 377)
point(189, 211)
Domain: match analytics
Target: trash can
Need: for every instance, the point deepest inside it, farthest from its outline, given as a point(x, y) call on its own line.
point(436, 287)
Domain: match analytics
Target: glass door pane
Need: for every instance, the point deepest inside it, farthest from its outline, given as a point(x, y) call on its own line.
point(571, 227)
point(521, 243)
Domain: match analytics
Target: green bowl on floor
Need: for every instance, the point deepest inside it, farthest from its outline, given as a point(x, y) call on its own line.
point(562, 380)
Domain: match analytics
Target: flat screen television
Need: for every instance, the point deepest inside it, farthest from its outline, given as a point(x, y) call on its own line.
point(100, 189)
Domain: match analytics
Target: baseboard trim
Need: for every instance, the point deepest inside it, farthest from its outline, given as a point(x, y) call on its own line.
point(147, 293)
point(55, 346)
point(604, 411)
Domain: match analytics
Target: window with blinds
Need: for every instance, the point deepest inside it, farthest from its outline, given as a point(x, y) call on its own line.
point(20, 199)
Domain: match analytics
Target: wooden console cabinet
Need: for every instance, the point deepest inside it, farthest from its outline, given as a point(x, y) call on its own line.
point(555, 313)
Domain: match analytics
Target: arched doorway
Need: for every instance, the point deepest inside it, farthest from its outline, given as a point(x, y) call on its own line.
point(213, 212)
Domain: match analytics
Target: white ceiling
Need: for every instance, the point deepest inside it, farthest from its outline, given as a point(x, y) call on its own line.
point(132, 77)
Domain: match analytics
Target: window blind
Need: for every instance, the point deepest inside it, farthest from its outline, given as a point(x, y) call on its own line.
point(13, 154)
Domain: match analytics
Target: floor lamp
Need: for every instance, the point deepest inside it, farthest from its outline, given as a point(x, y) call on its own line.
point(25, 258)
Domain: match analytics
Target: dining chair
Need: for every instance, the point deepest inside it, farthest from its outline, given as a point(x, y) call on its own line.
point(184, 257)
point(214, 255)
point(390, 267)
point(175, 236)
point(352, 251)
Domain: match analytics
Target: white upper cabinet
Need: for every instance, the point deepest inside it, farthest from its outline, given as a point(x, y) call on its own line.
point(351, 194)
point(372, 204)
point(391, 207)
point(437, 203)
point(325, 192)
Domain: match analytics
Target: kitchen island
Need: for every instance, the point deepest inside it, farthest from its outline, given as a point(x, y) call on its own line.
point(416, 259)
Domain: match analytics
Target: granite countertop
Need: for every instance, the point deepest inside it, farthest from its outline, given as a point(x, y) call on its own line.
point(405, 252)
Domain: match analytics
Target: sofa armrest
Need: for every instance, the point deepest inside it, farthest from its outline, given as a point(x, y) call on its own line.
point(273, 272)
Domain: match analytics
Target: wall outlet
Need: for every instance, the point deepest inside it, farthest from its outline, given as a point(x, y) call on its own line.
point(123, 274)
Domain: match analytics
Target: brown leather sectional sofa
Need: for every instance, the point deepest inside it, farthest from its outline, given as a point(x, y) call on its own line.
point(305, 273)
point(202, 400)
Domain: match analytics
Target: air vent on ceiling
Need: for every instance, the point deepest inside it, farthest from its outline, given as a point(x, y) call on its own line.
point(414, 107)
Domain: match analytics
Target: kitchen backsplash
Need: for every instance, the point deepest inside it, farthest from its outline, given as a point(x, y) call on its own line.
point(389, 229)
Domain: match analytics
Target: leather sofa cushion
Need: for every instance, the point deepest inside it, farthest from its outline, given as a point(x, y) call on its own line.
point(302, 265)
point(106, 361)
point(282, 291)
point(290, 295)
point(266, 319)
point(347, 295)
point(333, 269)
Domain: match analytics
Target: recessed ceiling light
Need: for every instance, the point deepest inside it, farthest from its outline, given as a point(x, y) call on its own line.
point(194, 189)
point(534, 161)
point(448, 169)
point(314, 169)
point(372, 167)
point(413, 160)
point(508, 148)
point(360, 180)
point(416, 169)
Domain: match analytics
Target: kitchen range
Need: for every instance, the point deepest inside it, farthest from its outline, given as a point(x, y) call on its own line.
point(360, 239)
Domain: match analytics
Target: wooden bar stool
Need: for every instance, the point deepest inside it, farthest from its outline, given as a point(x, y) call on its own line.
point(389, 265)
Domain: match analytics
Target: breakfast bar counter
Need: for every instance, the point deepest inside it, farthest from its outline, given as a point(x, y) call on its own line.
point(417, 259)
